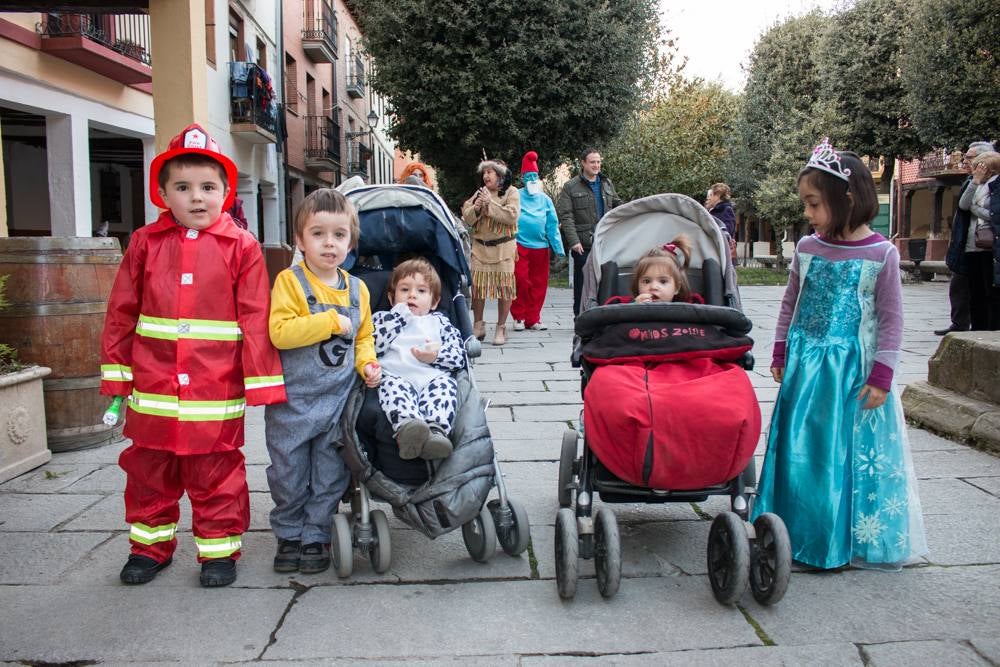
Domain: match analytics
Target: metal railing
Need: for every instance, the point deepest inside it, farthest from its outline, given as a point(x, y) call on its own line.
point(356, 75)
point(357, 154)
point(128, 34)
point(322, 138)
point(321, 25)
point(252, 96)
point(942, 162)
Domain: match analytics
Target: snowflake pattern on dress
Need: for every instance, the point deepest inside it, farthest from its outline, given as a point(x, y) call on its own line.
point(895, 506)
point(870, 462)
point(868, 528)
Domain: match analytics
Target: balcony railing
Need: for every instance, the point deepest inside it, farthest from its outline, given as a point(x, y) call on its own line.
point(942, 163)
point(322, 143)
point(252, 108)
point(358, 154)
point(319, 32)
point(356, 75)
point(114, 45)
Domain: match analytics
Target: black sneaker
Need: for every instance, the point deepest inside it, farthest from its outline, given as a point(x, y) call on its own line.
point(218, 572)
point(314, 558)
point(287, 557)
point(141, 569)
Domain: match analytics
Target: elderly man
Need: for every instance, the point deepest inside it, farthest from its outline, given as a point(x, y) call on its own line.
point(958, 288)
point(584, 200)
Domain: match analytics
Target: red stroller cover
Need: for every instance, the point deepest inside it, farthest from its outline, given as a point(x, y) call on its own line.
point(677, 425)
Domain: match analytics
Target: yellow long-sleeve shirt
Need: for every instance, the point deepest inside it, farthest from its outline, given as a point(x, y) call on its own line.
point(291, 325)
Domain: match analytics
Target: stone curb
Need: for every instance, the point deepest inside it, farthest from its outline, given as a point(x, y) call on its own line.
point(953, 415)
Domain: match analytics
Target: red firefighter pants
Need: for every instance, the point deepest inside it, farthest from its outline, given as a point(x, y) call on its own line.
point(216, 485)
point(532, 275)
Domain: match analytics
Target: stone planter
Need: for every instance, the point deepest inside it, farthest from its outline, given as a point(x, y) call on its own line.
point(23, 444)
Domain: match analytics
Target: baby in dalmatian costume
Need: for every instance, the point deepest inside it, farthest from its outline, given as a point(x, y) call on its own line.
point(418, 350)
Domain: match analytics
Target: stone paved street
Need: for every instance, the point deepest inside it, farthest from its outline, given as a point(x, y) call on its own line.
point(63, 541)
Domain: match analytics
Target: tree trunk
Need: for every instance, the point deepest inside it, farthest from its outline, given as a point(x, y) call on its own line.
point(890, 167)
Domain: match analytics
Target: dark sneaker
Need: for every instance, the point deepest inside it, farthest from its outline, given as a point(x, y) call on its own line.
point(438, 446)
point(411, 437)
point(287, 557)
point(141, 569)
point(314, 558)
point(218, 572)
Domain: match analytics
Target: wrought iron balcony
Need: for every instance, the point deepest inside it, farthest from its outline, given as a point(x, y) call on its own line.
point(322, 143)
point(358, 154)
point(944, 164)
point(356, 75)
point(114, 45)
point(319, 32)
point(253, 111)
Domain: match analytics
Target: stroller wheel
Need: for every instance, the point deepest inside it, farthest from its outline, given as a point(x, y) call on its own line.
point(514, 537)
point(341, 548)
point(770, 559)
point(728, 557)
point(607, 553)
point(480, 536)
point(567, 458)
point(380, 552)
point(567, 553)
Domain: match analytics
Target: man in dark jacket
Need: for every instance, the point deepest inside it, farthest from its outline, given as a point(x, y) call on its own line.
point(584, 200)
point(958, 288)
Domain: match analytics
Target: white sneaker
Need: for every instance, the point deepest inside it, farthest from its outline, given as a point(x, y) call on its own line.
point(518, 325)
point(538, 326)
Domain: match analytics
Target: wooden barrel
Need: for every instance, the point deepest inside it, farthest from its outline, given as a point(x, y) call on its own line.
point(58, 292)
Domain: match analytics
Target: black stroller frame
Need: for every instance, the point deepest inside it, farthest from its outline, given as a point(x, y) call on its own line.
point(739, 553)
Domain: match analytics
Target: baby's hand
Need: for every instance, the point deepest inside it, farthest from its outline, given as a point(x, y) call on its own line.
point(346, 328)
point(428, 353)
point(778, 373)
point(644, 298)
point(876, 397)
point(373, 375)
point(401, 309)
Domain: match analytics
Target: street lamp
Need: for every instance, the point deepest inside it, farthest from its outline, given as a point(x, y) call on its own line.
point(372, 122)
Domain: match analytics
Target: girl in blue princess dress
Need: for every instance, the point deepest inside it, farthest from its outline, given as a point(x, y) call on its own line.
point(837, 467)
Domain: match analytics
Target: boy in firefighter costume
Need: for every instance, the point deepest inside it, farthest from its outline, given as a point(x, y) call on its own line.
point(321, 321)
point(185, 338)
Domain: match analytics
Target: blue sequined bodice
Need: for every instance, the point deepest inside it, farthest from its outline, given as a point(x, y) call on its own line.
point(828, 306)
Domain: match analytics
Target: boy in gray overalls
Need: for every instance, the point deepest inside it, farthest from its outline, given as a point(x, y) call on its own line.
point(321, 324)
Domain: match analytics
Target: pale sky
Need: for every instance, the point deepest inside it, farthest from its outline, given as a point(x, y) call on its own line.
point(718, 35)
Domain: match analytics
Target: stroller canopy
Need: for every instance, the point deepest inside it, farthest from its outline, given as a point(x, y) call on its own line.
point(406, 218)
point(629, 231)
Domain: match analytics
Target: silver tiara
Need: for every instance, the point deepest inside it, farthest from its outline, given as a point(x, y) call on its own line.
point(826, 159)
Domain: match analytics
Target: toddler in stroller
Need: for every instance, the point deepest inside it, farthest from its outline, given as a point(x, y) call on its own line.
point(685, 420)
point(435, 497)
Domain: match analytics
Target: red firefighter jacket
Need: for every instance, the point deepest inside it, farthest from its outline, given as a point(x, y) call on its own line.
point(185, 336)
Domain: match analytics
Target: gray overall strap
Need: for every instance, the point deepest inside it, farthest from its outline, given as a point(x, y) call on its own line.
point(306, 288)
point(354, 288)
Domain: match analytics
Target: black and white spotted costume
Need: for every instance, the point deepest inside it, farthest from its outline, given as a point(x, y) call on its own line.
point(411, 389)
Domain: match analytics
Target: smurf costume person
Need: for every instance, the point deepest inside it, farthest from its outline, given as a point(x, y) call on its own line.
point(537, 234)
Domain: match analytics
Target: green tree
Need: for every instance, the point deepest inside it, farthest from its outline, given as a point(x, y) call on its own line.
point(782, 84)
point(951, 71)
point(467, 77)
point(777, 194)
point(677, 144)
point(859, 71)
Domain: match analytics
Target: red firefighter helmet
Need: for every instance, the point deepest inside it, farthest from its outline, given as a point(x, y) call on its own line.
point(193, 139)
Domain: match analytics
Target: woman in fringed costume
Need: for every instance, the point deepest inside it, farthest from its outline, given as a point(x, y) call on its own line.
point(491, 215)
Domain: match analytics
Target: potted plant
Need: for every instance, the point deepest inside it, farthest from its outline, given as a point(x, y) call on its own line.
point(23, 444)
